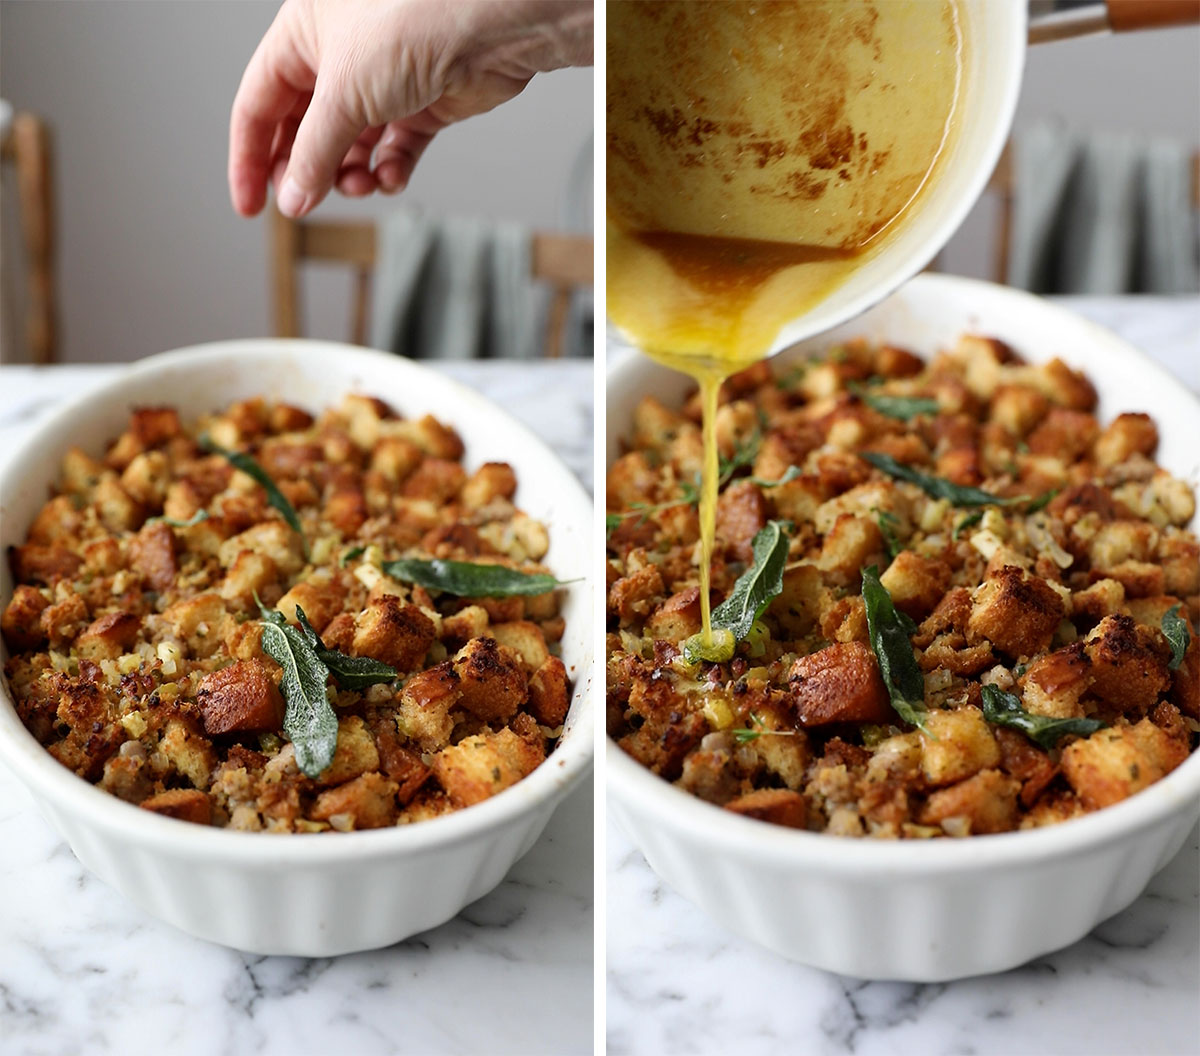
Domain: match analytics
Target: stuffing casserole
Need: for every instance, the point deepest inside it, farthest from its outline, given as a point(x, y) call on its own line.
point(136, 627)
point(1036, 566)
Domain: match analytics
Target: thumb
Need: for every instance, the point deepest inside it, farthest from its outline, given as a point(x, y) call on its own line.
point(326, 133)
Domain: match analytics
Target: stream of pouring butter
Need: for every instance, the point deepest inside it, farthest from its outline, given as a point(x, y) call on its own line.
point(814, 124)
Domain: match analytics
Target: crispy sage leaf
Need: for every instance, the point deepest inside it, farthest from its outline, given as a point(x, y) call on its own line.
point(1042, 501)
point(308, 717)
point(902, 407)
point(938, 487)
point(791, 474)
point(191, 522)
point(350, 554)
point(967, 521)
point(759, 585)
point(350, 672)
point(888, 523)
point(1005, 709)
point(468, 580)
point(247, 465)
point(1175, 628)
point(754, 590)
point(889, 631)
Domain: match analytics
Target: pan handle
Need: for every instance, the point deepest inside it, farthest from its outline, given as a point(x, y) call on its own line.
point(1117, 16)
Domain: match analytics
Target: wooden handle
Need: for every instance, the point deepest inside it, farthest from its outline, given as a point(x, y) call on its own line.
point(1151, 14)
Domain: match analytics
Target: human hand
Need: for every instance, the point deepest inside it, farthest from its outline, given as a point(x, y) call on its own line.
point(351, 92)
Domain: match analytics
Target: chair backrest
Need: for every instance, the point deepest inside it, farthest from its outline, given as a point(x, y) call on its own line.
point(26, 146)
point(564, 262)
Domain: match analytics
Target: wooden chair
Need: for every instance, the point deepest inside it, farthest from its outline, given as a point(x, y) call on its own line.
point(564, 262)
point(27, 147)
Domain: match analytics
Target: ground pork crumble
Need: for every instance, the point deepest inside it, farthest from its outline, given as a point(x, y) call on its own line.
point(1057, 597)
point(135, 640)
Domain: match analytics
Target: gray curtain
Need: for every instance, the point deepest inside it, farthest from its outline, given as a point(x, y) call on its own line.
point(1102, 213)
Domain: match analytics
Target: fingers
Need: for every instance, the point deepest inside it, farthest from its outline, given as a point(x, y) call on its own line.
point(327, 132)
point(354, 178)
point(399, 150)
point(274, 82)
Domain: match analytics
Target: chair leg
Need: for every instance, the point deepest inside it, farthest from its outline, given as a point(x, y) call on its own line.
point(285, 249)
point(31, 149)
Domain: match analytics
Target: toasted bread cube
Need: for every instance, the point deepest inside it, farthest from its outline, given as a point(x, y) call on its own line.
point(1103, 598)
point(469, 622)
point(356, 753)
point(369, 800)
point(1017, 612)
point(1179, 555)
point(741, 514)
point(396, 458)
point(425, 704)
point(851, 545)
point(154, 426)
point(548, 697)
point(1124, 436)
point(21, 622)
point(437, 479)
point(188, 752)
point(987, 801)
point(1119, 541)
point(797, 607)
point(320, 600)
point(1064, 386)
point(1141, 579)
point(779, 806)
point(63, 620)
point(964, 745)
point(250, 574)
point(1112, 764)
point(118, 510)
point(916, 583)
point(57, 522)
point(492, 683)
point(491, 481)
point(272, 538)
point(525, 639)
point(676, 618)
point(654, 424)
point(201, 622)
point(109, 636)
point(32, 563)
point(185, 804)
point(633, 596)
point(1054, 684)
point(240, 698)
point(104, 557)
point(798, 500)
point(152, 556)
point(840, 683)
point(1129, 663)
point(80, 472)
point(1064, 434)
point(346, 510)
point(146, 477)
point(393, 631)
point(478, 767)
point(1018, 408)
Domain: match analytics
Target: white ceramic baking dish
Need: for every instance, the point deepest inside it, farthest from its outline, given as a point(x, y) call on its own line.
point(326, 894)
point(938, 909)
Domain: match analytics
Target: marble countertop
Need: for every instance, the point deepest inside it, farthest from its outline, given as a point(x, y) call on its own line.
point(83, 971)
point(679, 983)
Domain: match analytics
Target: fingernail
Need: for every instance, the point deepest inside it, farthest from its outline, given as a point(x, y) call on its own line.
point(292, 200)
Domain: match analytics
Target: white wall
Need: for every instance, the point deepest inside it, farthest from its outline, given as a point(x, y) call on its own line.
point(151, 254)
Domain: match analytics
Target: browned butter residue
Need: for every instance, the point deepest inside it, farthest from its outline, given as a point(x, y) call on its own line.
point(760, 152)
